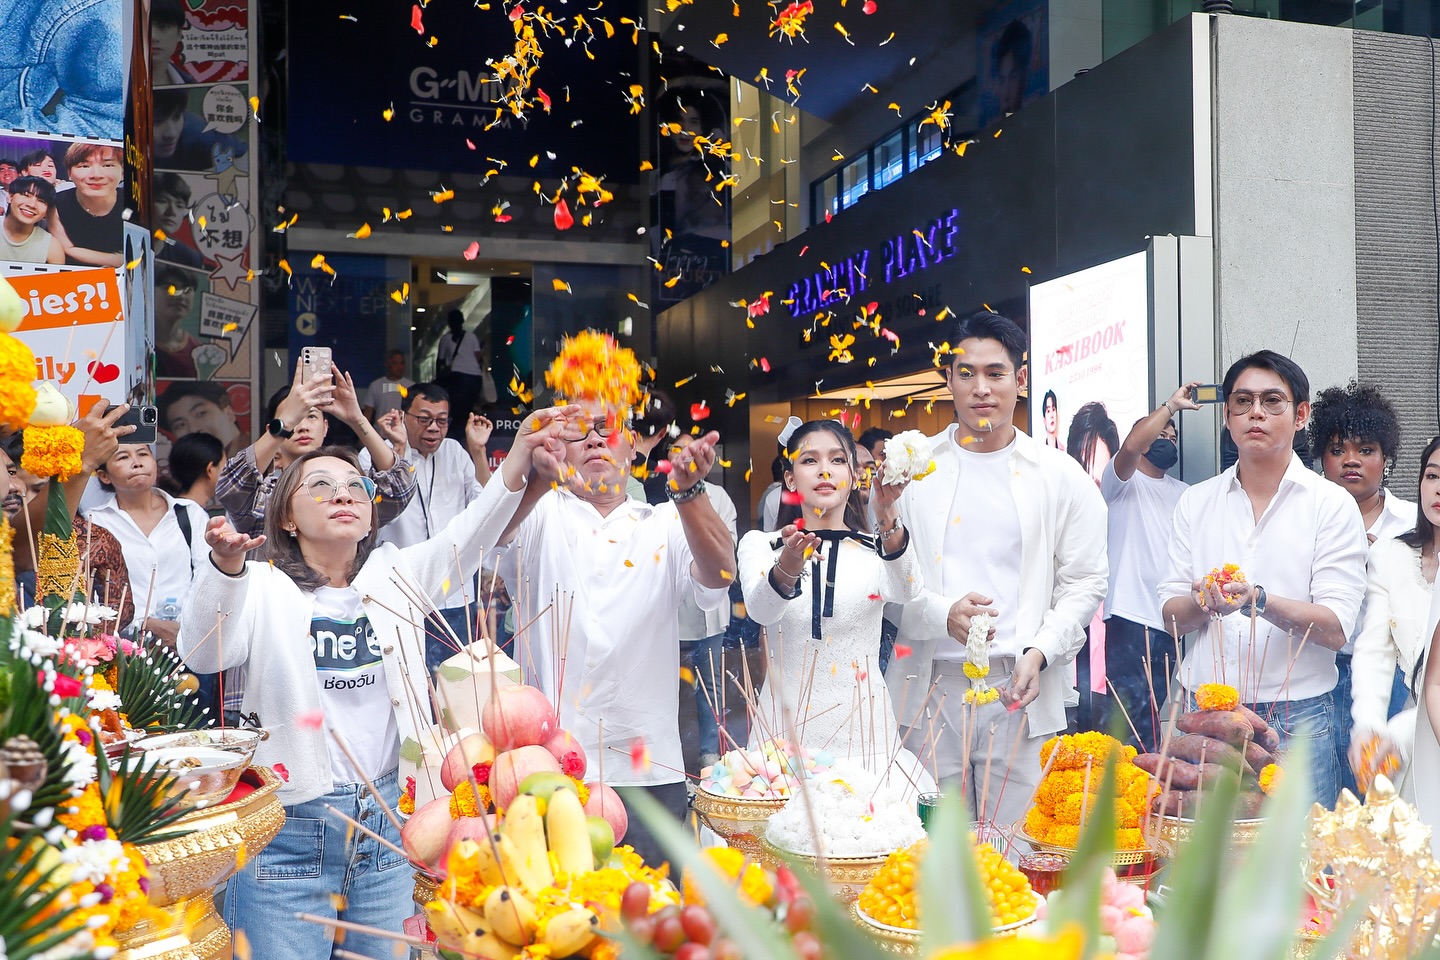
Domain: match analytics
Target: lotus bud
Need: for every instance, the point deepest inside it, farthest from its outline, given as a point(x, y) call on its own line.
point(51, 407)
point(12, 308)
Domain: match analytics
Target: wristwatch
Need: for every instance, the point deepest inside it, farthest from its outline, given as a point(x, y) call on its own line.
point(1258, 608)
point(277, 428)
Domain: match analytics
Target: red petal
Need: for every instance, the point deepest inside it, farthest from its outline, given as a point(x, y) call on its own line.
point(869, 7)
point(311, 719)
point(699, 411)
point(472, 251)
point(639, 754)
point(902, 650)
point(873, 596)
point(544, 98)
point(504, 218)
point(790, 497)
point(563, 219)
point(764, 364)
point(416, 23)
point(799, 523)
point(828, 215)
point(664, 466)
point(516, 12)
point(281, 772)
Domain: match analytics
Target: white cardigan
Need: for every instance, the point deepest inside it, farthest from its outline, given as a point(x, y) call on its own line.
point(1064, 571)
point(267, 626)
point(1397, 606)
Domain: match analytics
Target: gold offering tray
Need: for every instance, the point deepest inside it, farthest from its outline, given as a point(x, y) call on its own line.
point(904, 942)
point(1121, 858)
point(846, 876)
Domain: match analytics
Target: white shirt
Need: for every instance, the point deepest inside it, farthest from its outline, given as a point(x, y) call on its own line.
point(385, 396)
point(980, 529)
point(1063, 572)
point(770, 507)
point(461, 356)
point(444, 485)
point(1397, 516)
point(1308, 545)
point(163, 558)
point(1140, 513)
point(626, 574)
point(697, 624)
point(353, 689)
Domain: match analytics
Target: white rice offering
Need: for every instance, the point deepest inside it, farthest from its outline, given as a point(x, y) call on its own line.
point(858, 816)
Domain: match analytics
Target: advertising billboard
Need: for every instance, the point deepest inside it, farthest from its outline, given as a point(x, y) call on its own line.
point(1090, 359)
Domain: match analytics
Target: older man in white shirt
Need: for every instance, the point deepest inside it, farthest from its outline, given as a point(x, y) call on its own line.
point(1299, 541)
point(448, 477)
point(608, 656)
point(1008, 527)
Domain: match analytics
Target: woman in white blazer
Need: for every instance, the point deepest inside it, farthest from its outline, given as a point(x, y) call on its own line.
point(332, 636)
point(1396, 631)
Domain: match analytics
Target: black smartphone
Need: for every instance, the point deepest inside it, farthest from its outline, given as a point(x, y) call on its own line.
point(1207, 393)
point(145, 419)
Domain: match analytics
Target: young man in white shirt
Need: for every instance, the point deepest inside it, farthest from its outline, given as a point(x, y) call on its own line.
point(448, 477)
point(1008, 527)
point(1300, 543)
point(611, 662)
point(388, 392)
point(1141, 497)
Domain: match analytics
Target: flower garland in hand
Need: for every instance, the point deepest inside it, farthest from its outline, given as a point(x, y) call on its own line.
point(977, 661)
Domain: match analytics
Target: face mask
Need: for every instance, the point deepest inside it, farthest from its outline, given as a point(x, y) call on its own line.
point(1163, 453)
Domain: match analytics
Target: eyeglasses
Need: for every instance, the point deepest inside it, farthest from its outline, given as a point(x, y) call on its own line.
point(1272, 403)
point(427, 422)
point(321, 488)
point(575, 432)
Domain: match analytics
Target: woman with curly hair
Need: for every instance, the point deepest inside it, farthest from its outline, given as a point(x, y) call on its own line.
point(1355, 437)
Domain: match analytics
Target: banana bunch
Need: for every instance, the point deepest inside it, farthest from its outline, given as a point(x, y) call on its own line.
point(516, 863)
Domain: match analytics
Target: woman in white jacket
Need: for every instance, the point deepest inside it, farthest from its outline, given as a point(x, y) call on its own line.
point(333, 639)
point(1396, 631)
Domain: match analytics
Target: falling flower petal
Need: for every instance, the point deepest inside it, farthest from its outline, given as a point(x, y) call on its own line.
point(416, 22)
point(563, 218)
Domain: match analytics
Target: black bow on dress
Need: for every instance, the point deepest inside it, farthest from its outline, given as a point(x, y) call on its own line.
point(822, 599)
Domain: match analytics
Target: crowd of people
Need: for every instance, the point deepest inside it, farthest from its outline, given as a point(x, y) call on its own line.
point(843, 619)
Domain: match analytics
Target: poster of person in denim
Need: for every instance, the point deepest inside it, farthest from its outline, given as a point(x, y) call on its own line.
point(62, 67)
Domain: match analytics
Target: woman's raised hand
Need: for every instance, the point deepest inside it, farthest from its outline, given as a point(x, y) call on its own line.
point(228, 547)
point(797, 546)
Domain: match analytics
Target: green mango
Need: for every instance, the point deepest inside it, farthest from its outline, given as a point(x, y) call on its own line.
point(546, 782)
point(602, 839)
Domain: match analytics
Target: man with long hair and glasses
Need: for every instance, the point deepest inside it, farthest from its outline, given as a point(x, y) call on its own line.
point(448, 478)
point(1300, 543)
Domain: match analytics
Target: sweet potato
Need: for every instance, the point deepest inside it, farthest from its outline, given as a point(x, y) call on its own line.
point(1247, 806)
point(1176, 803)
point(1257, 756)
point(1265, 735)
point(1179, 774)
point(1200, 749)
point(1231, 726)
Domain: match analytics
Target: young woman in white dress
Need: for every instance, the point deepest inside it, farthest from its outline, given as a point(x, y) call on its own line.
point(1399, 629)
point(819, 589)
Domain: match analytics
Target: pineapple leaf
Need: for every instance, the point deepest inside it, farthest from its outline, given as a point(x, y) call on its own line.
point(139, 806)
point(1196, 875)
point(1264, 889)
point(1084, 879)
point(146, 682)
point(746, 925)
point(951, 891)
point(24, 897)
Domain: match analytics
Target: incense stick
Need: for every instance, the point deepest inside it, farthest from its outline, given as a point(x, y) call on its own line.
point(361, 928)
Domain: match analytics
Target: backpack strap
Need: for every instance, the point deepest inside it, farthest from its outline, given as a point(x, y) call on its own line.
point(182, 517)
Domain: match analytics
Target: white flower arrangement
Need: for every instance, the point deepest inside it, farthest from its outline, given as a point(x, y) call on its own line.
point(908, 456)
point(104, 700)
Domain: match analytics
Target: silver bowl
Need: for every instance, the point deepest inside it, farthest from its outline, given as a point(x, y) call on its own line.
point(204, 775)
point(241, 740)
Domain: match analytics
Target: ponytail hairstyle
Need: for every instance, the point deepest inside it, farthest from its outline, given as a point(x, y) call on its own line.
point(855, 515)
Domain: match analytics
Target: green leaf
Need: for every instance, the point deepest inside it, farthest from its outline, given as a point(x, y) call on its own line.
point(1266, 889)
point(833, 924)
point(1080, 902)
point(742, 923)
point(138, 805)
point(410, 750)
point(1184, 927)
point(952, 897)
point(146, 681)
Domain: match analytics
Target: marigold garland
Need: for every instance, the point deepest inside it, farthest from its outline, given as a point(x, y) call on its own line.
point(592, 366)
point(1270, 777)
point(53, 452)
point(17, 402)
point(756, 887)
point(1216, 696)
point(463, 802)
point(7, 568)
point(1071, 788)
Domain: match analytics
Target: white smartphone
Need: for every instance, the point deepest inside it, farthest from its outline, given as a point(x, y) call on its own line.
point(316, 363)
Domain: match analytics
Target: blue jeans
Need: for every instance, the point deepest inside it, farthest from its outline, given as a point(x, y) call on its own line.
point(439, 647)
point(1399, 694)
point(1313, 719)
point(308, 863)
point(1342, 723)
point(707, 659)
point(1137, 662)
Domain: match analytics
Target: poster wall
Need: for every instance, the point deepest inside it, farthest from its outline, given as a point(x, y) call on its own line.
point(1014, 57)
point(204, 294)
point(1090, 359)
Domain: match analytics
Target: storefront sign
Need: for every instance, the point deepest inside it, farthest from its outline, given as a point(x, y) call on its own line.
point(898, 257)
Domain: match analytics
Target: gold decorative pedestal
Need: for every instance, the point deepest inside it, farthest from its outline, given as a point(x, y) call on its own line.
point(185, 872)
point(1131, 866)
point(739, 821)
point(1172, 832)
point(846, 876)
